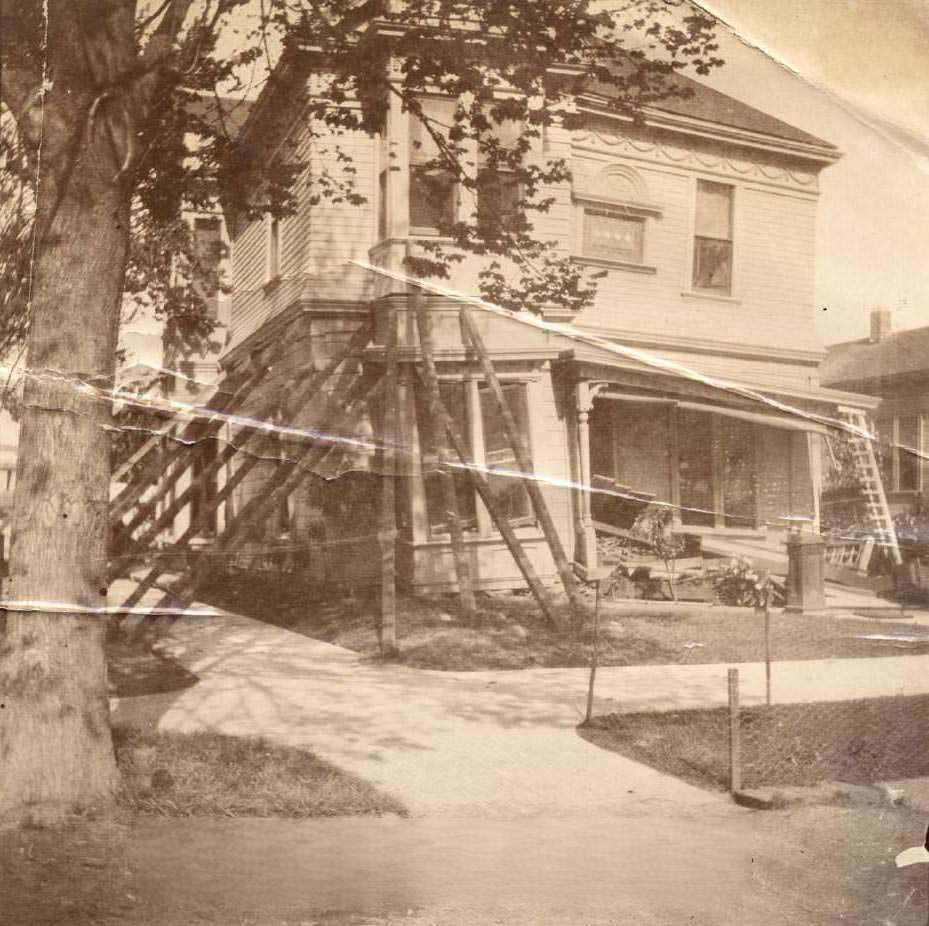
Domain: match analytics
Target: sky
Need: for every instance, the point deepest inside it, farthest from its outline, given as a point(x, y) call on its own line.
point(856, 73)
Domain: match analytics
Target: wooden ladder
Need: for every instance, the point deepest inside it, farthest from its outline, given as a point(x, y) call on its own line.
point(869, 475)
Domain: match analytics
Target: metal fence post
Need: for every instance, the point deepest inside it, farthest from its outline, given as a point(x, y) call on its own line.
point(735, 742)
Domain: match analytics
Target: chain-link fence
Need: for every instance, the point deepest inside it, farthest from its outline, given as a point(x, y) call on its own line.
point(862, 741)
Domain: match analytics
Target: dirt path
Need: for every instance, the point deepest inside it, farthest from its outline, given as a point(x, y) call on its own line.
point(825, 865)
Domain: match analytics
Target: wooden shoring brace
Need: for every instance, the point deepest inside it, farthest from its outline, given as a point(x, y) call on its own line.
point(288, 476)
point(238, 443)
point(441, 436)
point(482, 487)
point(203, 427)
point(153, 442)
point(523, 462)
point(387, 534)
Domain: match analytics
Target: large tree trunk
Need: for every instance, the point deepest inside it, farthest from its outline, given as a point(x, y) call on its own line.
point(55, 741)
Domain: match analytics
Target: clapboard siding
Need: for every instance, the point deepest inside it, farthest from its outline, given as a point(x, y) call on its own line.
point(317, 238)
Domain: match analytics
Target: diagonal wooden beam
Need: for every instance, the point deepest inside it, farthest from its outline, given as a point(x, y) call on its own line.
point(287, 477)
point(202, 427)
point(447, 480)
point(523, 462)
point(482, 487)
point(240, 441)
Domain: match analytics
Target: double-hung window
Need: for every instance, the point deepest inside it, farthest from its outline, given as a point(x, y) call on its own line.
point(508, 489)
point(712, 263)
point(498, 191)
point(454, 398)
point(898, 449)
point(273, 248)
point(209, 251)
point(433, 190)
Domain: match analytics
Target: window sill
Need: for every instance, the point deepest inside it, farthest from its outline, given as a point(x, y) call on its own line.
point(472, 537)
point(712, 297)
point(431, 235)
point(607, 264)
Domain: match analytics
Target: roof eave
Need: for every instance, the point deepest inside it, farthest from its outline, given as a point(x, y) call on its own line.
point(824, 154)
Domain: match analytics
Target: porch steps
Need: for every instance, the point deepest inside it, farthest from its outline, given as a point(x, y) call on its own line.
point(768, 554)
point(869, 475)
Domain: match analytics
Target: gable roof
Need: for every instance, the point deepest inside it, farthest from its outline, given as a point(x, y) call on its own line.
point(901, 353)
point(698, 101)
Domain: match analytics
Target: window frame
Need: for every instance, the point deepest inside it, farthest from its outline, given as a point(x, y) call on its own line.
point(616, 212)
point(730, 293)
point(273, 248)
point(417, 160)
point(893, 467)
point(432, 231)
point(584, 203)
point(483, 526)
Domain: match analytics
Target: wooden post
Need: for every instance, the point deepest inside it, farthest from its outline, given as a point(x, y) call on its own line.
point(524, 463)
point(441, 423)
point(735, 741)
point(387, 535)
point(595, 655)
point(767, 644)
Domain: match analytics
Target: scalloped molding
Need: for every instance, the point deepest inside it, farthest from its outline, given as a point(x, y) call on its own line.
point(687, 157)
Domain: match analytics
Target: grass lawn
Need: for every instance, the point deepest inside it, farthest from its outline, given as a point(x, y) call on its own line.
point(207, 774)
point(511, 634)
point(859, 742)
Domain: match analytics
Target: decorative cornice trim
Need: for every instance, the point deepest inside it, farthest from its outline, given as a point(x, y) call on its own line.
point(696, 160)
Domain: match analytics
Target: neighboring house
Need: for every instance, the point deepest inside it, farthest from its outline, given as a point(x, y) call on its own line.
point(703, 219)
point(894, 366)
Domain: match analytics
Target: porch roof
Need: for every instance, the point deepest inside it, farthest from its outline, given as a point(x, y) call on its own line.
point(812, 407)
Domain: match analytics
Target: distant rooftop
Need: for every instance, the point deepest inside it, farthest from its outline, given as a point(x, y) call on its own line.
point(886, 354)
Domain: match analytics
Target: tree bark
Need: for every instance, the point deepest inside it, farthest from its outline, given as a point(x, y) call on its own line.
point(57, 755)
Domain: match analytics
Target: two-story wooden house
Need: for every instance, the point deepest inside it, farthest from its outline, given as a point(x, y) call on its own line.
point(693, 378)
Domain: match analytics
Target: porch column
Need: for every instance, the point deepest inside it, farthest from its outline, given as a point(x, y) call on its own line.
point(586, 552)
point(814, 448)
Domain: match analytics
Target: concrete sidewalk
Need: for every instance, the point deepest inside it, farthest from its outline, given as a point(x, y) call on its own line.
point(477, 742)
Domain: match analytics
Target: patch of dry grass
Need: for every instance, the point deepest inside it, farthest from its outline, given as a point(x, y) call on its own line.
point(510, 633)
point(208, 774)
point(859, 742)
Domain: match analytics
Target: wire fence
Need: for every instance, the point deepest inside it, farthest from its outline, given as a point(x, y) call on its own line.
point(861, 741)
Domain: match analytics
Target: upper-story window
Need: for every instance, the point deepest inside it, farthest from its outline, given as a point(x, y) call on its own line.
point(273, 248)
point(433, 191)
point(612, 235)
point(712, 266)
point(209, 250)
point(498, 191)
point(613, 209)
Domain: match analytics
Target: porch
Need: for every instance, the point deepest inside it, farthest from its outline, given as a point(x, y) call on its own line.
point(736, 466)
